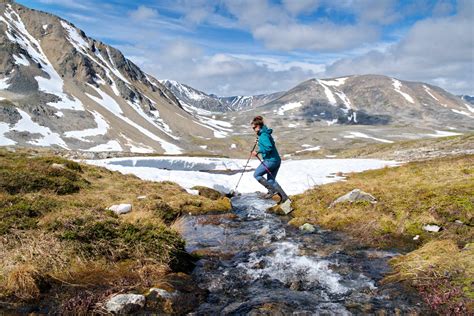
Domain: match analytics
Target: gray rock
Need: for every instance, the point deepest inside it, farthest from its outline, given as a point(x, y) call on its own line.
point(307, 228)
point(125, 303)
point(432, 228)
point(58, 166)
point(141, 197)
point(154, 293)
point(121, 208)
point(458, 222)
point(354, 196)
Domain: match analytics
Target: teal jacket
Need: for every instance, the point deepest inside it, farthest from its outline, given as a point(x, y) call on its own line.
point(266, 144)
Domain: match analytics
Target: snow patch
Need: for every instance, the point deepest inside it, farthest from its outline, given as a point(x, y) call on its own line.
point(75, 38)
point(362, 135)
point(443, 134)
point(428, 90)
point(21, 60)
point(112, 145)
point(334, 121)
point(335, 82)
point(462, 112)
point(295, 176)
point(397, 86)
point(329, 95)
point(101, 129)
point(309, 149)
point(5, 141)
point(4, 84)
point(48, 138)
point(289, 107)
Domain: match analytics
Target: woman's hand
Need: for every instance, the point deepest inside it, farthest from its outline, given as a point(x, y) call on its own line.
point(254, 153)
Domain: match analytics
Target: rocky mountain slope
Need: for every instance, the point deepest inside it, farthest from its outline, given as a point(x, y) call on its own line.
point(59, 87)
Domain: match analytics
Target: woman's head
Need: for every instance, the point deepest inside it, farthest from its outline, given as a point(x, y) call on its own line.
point(257, 123)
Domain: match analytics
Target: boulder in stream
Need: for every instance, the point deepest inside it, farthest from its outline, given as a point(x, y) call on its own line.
point(307, 228)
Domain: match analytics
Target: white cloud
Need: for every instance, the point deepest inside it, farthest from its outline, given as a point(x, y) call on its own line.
point(315, 37)
point(435, 50)
point(143, 13)
point(296, 7)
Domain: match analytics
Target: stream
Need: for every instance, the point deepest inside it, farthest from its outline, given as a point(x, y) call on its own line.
point(255, 263)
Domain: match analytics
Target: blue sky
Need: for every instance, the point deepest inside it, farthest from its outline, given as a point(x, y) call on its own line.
point(235, 47)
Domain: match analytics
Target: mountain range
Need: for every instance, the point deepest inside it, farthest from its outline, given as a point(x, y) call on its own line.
point(61, 88)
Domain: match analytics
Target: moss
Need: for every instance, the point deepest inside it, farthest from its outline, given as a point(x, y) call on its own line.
point(23, 174)
point(208, 192)
point(22, 212)
point(166, 212)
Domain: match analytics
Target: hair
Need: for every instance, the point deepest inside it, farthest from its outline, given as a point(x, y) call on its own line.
point(258, 120)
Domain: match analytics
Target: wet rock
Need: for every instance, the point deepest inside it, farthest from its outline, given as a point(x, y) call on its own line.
point(212, 253)
point(355, 196)
point(281, 209)
point(177, 293)
point(125, 303)
point(432, 228)
point(160, 300)
point(307, 228)
point(297, 285)
point(121, 208)
point(260, 265)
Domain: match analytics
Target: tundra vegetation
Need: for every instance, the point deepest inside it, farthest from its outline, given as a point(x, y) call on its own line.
point(433, 192)
point(59, 245)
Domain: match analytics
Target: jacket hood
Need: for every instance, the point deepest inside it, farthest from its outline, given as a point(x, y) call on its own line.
point(266, 130)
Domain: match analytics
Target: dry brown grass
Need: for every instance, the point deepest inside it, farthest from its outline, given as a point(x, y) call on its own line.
point(410, 196)
point(22, 281)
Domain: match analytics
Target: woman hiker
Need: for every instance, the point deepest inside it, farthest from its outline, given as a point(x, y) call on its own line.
point(270, 163)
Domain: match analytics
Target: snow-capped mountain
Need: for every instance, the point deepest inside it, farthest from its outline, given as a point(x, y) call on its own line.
point(239, 103)
point(210, 102)
point(195, 98)
point(372, 100)
point(59, 87)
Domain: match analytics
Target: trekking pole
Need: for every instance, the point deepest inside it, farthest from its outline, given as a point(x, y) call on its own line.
point(232, 192)
point(266, 168)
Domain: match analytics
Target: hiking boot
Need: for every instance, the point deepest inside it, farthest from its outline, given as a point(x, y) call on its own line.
point(271, 190)
point(266, 196)
point(279, 191)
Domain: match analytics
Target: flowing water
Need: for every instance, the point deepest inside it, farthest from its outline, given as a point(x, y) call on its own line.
point(257, 264)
